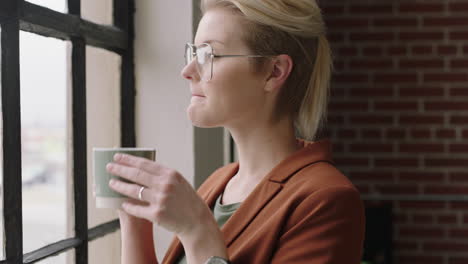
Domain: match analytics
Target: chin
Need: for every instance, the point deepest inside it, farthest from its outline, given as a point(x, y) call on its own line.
point(199, 120)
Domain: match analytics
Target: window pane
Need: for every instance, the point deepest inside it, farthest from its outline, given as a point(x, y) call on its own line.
point(97, 11)
point(2, 245)
point(57, 5)
point(43, 130)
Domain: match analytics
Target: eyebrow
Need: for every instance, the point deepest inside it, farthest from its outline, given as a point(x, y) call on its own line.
point(210, 41)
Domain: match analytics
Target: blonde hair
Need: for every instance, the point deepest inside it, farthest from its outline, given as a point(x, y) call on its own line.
point(296, 28)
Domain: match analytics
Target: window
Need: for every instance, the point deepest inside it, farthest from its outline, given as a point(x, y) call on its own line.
point(18, 173)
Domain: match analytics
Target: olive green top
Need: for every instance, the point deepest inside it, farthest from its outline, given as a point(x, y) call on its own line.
point(221, 213)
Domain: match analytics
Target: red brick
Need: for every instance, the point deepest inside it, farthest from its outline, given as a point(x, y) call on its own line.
point(349, 106)
point(406, 245)
point(346, 133)
point(421, 119)
point(362, 188)
point(459, 92)
point(459, 120)
point(447, 219)
point(458, 233)
point(337, 92)
point(348, 51)
point(422, 91)
point(372, 119)
point(445, 21)
point(465, 133)
point(371, 133)
point(445, 133)
point(459, 35)
point(458, 7)
point(421, 50)
point(370, 9)
point(441, 106)
point(418, 35)
point(465, 219)
point(347, 23)
point(372, 36)
point(396, 162)
point(422, 219)
point(395, 22)
point(459, 205)
point(374, 176)
point(420, 8)
point(372, 51)
point(335, 119)
point(420, 176)
point(456, 64)
point(463, 148)
point(420, 133)
point(446, 190)
point(352, 162)
point(395, 133)
point(423, 64)
point(396, 78)
point(351, 78)
point(421, 232)
point(396, 50)
point(375, 148)
point(332, 10)
point(418, 148)
point(465, 49)
point(422, 205)
point(374, 92)
point(445, 77)
point(458, 260)
point(400, 218)
point(396, 106)
point(370, 64)
point(458, 177)
point(445, 247)
point(453, 162)
point(447, 50)
point(418, 259)
point(396, 189)
point(334, 37)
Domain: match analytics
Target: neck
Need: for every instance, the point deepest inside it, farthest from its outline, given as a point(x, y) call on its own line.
point(261, 148)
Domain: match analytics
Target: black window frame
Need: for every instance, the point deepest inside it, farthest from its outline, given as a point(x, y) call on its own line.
point(16, 15)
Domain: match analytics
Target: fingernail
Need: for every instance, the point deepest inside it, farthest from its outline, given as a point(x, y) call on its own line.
point(112, 182)
point(117, 156)
point(109, 166)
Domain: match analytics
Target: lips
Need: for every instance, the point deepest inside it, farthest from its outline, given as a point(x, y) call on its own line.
point(199, 95)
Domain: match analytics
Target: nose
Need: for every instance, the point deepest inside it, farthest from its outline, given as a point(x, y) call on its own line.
point(189, 71)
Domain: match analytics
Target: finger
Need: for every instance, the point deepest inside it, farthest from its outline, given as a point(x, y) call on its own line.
point(138, 162)
point(139, 211)
point(128, 189)
point(135, 175)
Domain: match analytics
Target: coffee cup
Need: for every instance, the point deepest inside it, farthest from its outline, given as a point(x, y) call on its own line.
point(105, 196)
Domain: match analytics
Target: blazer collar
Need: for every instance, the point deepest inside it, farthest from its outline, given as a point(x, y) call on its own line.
point(311, 152)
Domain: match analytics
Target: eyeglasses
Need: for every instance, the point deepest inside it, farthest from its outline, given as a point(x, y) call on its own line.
point(204, 58)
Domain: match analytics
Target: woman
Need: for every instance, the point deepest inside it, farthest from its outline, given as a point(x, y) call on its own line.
point(261, 69)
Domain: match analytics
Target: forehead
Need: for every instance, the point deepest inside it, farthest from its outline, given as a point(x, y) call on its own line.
point(220, 28)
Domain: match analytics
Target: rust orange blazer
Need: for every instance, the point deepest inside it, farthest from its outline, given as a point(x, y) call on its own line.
point(303, 211)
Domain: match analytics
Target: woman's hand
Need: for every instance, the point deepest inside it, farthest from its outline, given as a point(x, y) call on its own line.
point(168, 199)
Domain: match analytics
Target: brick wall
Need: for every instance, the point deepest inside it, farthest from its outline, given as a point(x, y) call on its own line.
point(399, 116)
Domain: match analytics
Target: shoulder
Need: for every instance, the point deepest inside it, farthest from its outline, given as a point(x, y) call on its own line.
point(321, 189)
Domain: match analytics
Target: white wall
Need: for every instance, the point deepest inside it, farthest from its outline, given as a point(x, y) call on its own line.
point(162, 28)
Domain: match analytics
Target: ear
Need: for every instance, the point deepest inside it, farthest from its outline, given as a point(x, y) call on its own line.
point(280, 70)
